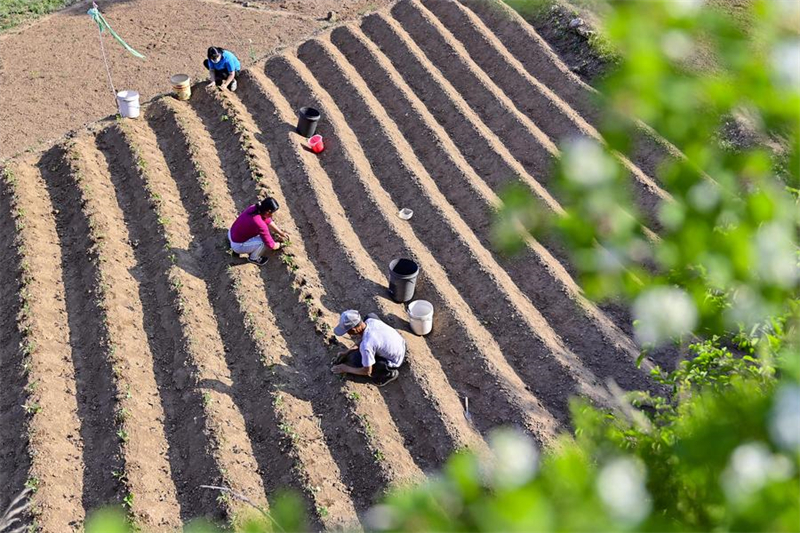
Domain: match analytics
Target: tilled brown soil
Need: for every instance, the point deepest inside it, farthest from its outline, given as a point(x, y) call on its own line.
point(151, 362)
point(52, 77)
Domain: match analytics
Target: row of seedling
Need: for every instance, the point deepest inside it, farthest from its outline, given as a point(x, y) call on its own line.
point(255, 331)
point(24, 323)
point(288, 258)
point(178, 296)
point(283, 413)
point(316, 312)
point(99, 256)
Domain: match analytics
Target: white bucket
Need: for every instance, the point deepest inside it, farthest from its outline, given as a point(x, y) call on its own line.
point(128, 102)
point(420, 316)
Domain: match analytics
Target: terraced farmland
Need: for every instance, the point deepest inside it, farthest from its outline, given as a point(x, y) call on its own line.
point(139, 361)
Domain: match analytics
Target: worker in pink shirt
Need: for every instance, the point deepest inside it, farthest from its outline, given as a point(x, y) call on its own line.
point(252, 232)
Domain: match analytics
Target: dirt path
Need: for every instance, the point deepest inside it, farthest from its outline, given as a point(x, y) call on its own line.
point(52, 78)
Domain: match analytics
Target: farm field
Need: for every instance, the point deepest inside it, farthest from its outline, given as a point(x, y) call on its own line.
point(140, 361)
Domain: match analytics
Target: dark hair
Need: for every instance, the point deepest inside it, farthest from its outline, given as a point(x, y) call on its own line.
point(267, 204)
point(215, 51)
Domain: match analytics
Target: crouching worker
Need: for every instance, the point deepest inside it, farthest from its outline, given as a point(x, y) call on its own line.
point(380, 349)
point(222, 67)
point(252, 232)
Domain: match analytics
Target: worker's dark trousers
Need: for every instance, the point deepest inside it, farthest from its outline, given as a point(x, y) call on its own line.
point(219, 75)
point(380, 370)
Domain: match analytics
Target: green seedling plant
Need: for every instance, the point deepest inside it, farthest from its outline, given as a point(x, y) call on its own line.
point(127, 501)
point(32, 407)
point(32, 483)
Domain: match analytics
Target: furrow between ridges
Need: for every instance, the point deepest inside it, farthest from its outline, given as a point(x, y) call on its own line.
point(461, 338)
point(519, 328)
point(53, 423)
point(494, 160)
point(428, 404)
point(358, 435)
point(15, 385)
point(147, 471)
point(15, 459)
point(535, 270)
point(96, 386)
point(488, 155)
point(524, 138)
point(538, 102)
point(209, 372)
point(190, 447)
point(535, 53)
point(287, 441)
point(538, 58)
point(440, 45)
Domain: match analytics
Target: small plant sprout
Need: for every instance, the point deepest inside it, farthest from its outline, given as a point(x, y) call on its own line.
point(32, 408)
point(127, 501)
point(32, 483)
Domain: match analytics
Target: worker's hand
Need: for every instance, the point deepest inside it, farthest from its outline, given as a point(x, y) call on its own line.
point(277, 246)
point(338, 369)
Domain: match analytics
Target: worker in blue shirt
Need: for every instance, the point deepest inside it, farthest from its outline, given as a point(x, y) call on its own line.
point(222, 67)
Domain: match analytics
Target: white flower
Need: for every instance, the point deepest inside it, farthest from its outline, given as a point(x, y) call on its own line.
point(621, 486)
point(750, 467)
point(676, 45)
point(704, 195)
point(684, 8)
point(663, 313)
point(514, 460)
point(776, 258)
point(587, 163)
point(784, 422)
point(786, 63)
point(381, 518)
point(788, 10)
point(747, 307)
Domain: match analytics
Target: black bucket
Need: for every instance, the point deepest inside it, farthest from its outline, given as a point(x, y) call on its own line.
point(307, 121)
point(403, 279)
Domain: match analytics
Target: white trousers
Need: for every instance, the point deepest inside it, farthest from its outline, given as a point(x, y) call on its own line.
point(253, 246)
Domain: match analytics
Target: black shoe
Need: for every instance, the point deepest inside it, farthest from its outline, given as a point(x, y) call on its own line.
point(388, 379)
point(261, 261)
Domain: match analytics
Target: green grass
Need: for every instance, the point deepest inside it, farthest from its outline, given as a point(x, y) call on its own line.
point(15, 12)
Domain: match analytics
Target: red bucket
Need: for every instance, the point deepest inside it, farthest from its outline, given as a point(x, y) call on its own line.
point(316, 144)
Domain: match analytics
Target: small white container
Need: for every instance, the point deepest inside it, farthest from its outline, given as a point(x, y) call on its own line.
point(128, 102)
point(420, 316)
point(405, 213)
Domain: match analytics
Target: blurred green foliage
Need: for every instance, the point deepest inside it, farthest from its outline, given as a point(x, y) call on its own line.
point(721, 452)
point(726, 256)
